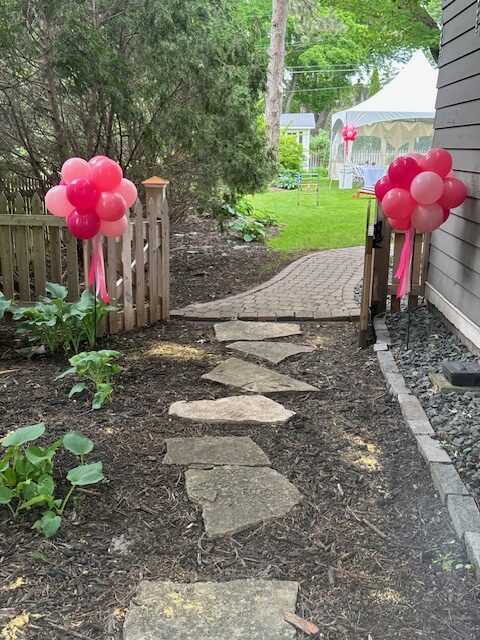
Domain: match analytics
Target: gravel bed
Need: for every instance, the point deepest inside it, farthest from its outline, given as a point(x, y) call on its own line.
point(454, 417)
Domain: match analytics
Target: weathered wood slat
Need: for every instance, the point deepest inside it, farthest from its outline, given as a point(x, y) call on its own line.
point(381, 259)
point(153, 297)
point(73, 283)
point(449, 286)
point(459, 250)
point(461, 23)
point(128, 308)
point(458, 114)
point(18, 220)
point(6, 253)
point(455, 8)
point(111, 279)
point(465, 276)
point(463, 137)
point(139, 265)
point(458, 48)
point(367, 282)
point(55, 251)
point(20, 237)
point(466, 67)
point(38, 251)
point(164, 262)
point(460, 227)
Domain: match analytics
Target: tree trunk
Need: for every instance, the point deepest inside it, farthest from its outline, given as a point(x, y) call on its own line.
point(291, 92)
point(276, 54)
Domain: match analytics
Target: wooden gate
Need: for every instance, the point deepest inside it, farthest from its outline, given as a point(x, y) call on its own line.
point(383, 246)
point(36, 247)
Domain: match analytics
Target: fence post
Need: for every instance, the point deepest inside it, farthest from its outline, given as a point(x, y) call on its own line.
point(157, 211)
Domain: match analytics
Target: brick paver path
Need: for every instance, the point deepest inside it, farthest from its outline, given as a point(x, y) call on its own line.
point(319, 286)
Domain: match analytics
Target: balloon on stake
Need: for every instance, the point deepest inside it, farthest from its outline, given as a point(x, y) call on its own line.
point(417, 194)
point(94, 197)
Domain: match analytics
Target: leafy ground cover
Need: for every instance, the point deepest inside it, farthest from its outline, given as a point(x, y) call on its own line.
point(338, 220)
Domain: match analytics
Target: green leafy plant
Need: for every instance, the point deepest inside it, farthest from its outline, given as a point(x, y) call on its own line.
point(290, 152)
point(95, 370)
point(225, 212)
point(448, 563)
point(287, 180)
point(267, 218)
point(5, 305)
point(249, 230)
point(60, 324)
point(26, 474)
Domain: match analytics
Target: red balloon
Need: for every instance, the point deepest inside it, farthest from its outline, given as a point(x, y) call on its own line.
point(400, 224)
point(106, 174)
point(83, 224)
point(111, 206)
point(82, 193)
point(398, 203)
point(454, 193)
point(382, 187)
point(62, 183)
point(402, 171)
point(446, 213)
point(437, 160)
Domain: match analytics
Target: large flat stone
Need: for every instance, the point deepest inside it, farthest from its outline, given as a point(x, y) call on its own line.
point(234, 372)
point(240, 330)
point(237, 610)
point(440, 382)
point(232, 410)
point(215, 450)
point(236, 498)
point(272, 351)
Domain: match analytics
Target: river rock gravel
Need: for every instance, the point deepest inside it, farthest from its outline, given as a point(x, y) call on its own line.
point(455, 418)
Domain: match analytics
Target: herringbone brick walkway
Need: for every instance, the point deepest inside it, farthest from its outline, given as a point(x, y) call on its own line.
point(320, 286)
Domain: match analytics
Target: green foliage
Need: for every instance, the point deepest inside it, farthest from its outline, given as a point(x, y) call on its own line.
point(375, 85)
point(320, 144)
point(287, 180)
point(27, 474)
point(242, 219)
point(290, 152)
point(167, 87)
point(60, 324)
point(5, 305)
point(249, 229)
point(94, 370)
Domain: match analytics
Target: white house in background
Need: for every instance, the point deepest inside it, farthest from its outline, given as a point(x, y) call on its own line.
point(300, 125)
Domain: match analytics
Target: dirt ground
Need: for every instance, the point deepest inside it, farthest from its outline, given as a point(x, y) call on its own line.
point(370, 546)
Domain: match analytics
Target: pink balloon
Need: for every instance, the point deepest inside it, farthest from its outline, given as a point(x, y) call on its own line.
point(427, 217)
point(437, 160)
point(111, 206)
point(129, 191)
point(83, 224)
point(454, 193)
point(82, 193)
point(382, 187)
point(451, 174)
point(57, 202)
point(96, 159)
point(106, 174)
point(62, 183)
point(75, 168)
point(402, 171)
point(446, 214)
point(418, 157)
point(427, 187)
point(400, 224)
point(113, 229)
point(398, 203)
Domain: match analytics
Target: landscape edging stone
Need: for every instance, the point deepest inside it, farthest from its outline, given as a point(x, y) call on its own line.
point(463, 510)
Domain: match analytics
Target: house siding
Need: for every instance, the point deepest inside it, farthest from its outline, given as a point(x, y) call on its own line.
point(454, 261)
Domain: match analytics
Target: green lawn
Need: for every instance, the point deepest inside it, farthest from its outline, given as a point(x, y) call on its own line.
point(338, 220)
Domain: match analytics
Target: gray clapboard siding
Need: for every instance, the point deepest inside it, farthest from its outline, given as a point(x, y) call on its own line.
point(454, 259)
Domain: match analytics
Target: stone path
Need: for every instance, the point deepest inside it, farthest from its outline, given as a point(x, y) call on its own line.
point(320, 286)
point(231, 480)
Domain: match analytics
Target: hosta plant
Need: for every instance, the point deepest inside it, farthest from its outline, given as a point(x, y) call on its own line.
point(60, 324)
point(5, 305)
point(249, 229)
point(27, 479)
point(94, 370)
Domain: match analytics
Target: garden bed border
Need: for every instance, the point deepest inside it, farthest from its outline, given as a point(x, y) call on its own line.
point(463, 510)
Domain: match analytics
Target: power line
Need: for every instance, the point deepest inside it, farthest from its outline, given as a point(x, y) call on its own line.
point(345, 86)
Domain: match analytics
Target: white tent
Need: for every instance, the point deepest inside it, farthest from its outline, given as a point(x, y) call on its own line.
point(401, 112)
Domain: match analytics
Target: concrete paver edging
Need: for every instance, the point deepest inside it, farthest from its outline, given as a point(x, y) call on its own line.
point(463, 510)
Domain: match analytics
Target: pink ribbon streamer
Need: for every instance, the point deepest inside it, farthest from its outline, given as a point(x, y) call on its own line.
point(97, 269)
point(405, 265)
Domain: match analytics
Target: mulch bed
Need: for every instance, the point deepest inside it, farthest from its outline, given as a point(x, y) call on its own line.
point(366, 545)
point(207, 264)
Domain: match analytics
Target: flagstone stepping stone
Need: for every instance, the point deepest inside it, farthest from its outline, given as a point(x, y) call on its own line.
point(232, 410)
point(215, 450)
point(248, 609)
point(236, 498)
point(234, 372)
point(240, 330)
point(272, 351)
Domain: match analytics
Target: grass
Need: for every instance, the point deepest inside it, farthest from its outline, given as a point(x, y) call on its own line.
point(338, 220)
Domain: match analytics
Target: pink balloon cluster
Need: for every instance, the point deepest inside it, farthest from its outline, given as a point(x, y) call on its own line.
point(93, 196)
point(419, 191)
point(349, 132)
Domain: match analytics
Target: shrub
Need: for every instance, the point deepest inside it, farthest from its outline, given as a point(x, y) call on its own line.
point(26, 474)
point(287, 180)
point(60, 324)
point(5, 305)
point(290, 153)
point(95, 370)
point(249, 229)
point(321, 144)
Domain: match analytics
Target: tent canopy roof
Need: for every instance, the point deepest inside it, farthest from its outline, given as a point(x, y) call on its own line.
point(410, 95)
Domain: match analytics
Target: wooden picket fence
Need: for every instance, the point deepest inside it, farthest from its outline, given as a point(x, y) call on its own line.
point(36, 248)
point(383, 247)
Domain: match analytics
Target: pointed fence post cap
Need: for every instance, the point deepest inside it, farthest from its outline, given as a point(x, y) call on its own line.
point(155, 181)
